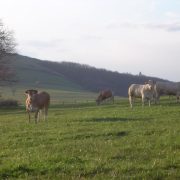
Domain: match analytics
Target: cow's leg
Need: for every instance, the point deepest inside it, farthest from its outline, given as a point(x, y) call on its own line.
point(154, 99)
point(39, 115)
point(157, 98)
point(36, 115)
point(143, 101)
point(131, 101)
point(29, 116)
point(151, 99)
point(113, 99)
point(177, 97)
point(45, 113)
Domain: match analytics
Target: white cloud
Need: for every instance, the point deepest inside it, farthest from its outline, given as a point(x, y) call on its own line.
point(126, 36)
point(174, 26)
point(172, 15)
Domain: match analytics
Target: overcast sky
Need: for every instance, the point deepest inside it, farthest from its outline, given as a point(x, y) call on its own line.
point(121, 35)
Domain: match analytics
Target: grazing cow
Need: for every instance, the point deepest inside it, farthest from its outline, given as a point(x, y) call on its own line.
point(167, 88)
point(103, 95)
point(145, 92)
point(37, 101)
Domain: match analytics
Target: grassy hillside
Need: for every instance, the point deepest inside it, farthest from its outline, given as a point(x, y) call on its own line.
point(34, 73)
point(89, 142)
point(30, 73)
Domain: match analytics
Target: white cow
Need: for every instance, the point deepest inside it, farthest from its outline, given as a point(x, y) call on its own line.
point(145, 92)
point(167, 88)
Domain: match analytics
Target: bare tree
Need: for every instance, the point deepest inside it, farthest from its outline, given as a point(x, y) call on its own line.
point(7, 47)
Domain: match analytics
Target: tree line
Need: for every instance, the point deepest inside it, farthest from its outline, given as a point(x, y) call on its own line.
point(93, 79)
point(7, 47)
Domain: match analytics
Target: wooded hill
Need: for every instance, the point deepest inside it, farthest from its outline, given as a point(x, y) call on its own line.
point(31, 72)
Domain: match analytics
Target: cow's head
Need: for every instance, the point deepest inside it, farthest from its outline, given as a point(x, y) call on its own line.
point(31, 96)
point(150, 84)
point(97, 101)
point(149, 87)
point(31, 92)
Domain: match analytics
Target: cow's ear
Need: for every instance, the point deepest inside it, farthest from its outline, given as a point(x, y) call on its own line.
point(27, 92)
point(35, 91)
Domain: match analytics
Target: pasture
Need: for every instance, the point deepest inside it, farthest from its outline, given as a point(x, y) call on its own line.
point(85, 141)
point(58, 96)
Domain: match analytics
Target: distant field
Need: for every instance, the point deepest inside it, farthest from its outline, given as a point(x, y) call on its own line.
point(58, 96)
point(85, 141)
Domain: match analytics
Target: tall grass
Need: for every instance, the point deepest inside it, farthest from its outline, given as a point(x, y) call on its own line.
point(85, 141)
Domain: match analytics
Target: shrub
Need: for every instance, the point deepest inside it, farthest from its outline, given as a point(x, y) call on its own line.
point(8, 103)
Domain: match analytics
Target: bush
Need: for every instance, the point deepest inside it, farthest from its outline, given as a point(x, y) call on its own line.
point(9, 103)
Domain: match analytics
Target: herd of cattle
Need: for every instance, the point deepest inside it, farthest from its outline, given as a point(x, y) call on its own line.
point(149, 91)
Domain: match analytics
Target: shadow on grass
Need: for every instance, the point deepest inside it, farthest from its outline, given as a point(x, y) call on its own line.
point(16, 172)
point(24, 170)
point(118, 134)
point(98, 170)
point(118, 157)
point(116, 119)
point(108, 135)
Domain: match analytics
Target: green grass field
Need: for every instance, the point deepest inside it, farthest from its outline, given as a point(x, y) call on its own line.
point(85, 141)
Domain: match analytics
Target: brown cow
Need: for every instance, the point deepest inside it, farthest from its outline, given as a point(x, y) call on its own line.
point(37, 101)
point(103, 95)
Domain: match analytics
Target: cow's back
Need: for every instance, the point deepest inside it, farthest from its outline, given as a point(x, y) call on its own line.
point(106, 94)
point(168, 88)
point(135, 90)
point(41, 100)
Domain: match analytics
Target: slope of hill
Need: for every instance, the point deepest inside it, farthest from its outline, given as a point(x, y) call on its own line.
point(30, 73)
point(71, 76)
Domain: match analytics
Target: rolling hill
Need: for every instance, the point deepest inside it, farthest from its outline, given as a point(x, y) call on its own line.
point(30, 73)
point(35, 73)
